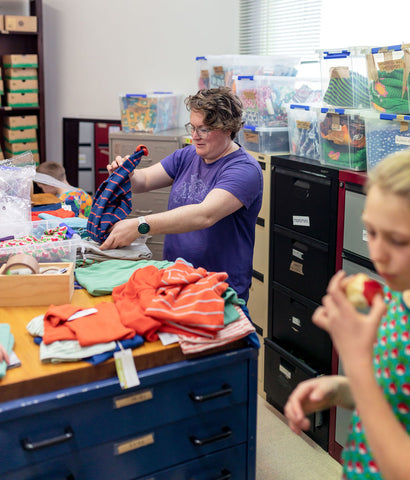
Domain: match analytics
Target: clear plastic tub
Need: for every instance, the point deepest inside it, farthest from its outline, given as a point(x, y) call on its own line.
point(344, 77)
point(150, 112)
point(388, 75)
point(342, 138)
point(386, 133)
point(303, 131)
point(265, 140)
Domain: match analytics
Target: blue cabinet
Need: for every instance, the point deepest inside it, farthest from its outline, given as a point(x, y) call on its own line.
point(190, 419)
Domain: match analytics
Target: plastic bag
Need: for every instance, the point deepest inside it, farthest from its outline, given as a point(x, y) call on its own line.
point(16, 176)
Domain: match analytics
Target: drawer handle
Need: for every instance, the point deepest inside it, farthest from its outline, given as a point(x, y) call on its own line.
point(226, 433)
point(226, 390)
point(143, 212)
point(226, 475)
point(31, 446)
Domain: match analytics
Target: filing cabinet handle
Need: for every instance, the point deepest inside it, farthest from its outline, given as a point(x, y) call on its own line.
point(31, 446)
point(143, 212)
point(226, 433)
point(226, 475)
point(226, 390)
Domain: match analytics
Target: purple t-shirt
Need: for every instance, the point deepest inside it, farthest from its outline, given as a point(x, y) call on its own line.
point(228, 245)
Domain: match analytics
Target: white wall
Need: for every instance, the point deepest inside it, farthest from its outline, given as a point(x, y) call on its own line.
point(96, 49)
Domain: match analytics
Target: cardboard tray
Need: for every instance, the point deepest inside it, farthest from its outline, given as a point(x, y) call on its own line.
point(41, 289)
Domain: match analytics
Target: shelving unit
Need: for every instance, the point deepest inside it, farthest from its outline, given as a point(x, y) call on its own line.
point(26, 43)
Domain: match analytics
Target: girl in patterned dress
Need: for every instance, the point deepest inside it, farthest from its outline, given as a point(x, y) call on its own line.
point(374, 347)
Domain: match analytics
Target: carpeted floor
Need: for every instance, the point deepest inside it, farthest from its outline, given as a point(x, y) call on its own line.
point(283, 455)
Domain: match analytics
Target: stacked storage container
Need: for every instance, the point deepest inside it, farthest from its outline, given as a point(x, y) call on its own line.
point(387, 128)
point(341, 119)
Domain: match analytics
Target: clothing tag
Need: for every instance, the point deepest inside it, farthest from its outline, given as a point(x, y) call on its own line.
point(125, 366)
point(168, 338)
point(82, 313)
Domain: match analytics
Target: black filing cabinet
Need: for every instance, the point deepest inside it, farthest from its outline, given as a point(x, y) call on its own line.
point(303, 226)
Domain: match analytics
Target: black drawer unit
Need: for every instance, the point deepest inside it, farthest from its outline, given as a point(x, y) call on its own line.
point(283, 371)
point(301, 263)
point(296, 332)
point(303, 234)
point(303, 203)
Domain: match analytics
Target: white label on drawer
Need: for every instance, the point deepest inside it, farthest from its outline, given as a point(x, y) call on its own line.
point(126, 400)
point(296, 267)
point(301, 221)
point(82, 159)
point(402, 140)
point(285, 372)
point(297, 254)
point(133, 444)
point(125, 366)
point(296, 321)
point(364, 238)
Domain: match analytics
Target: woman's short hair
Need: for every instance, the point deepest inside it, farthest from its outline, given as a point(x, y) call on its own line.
point(392, 174)
point(222, 109)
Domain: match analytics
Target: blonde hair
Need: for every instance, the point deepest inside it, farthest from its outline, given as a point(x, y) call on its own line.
point(392, 175)
point(54, 169)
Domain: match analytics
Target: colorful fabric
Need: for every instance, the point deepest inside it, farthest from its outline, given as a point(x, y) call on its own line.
point(387, 93)
point(228, 245)
point(391, 364)
point(351, 92)
point(112, 201)
point(60, 213)
point(80, 199)
point(179, 295)
point(383, 141)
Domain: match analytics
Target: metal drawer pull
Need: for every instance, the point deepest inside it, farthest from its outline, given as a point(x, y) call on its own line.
point(226, 433)
point(226, 475)
point(226, 390)
point(31, 446)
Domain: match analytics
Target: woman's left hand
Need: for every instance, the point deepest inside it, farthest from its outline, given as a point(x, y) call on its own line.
point(122, 234)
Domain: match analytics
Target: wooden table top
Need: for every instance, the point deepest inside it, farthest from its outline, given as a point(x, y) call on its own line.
point(35, 377)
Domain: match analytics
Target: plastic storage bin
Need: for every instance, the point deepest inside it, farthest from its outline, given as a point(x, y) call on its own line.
point(388, 74)
point(47, 252)
point(386, 133)
point(342, 138)
point(265, 98)
point(221, 70)
point(303, 131)
point(149, 112)
point(344, 78)
point(265, 140)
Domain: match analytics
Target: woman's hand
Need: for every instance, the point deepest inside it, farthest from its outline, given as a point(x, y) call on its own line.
point(316, 394)
point(111, 167)
point(122, 234)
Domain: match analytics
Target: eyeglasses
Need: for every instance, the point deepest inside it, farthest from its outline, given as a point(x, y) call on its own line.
point(201, 132)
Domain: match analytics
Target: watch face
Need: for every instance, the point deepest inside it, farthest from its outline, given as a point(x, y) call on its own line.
point(143, 228)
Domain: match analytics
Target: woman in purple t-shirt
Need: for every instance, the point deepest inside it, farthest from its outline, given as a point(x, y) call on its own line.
point(215, 197)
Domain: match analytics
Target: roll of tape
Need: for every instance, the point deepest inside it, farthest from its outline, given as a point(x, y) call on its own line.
point(22, 260)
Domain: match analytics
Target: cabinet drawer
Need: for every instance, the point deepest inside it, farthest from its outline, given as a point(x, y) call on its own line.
point(157, 148)
point(106, 418)
point(292, 326)
point(283, 372)
point(301, 264)
point(354, 234)
point(303, 203)
point(224, 465)
point(149, 202)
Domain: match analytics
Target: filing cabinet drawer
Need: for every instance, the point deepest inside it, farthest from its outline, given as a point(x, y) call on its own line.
point(258, 304)
point(86, 421)
point(283, 372)
point(301, 264)
point(292, 326)
point(157, 148)
point(355, 235)
point(149, 202)
point(303, 203)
